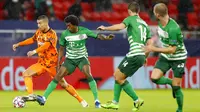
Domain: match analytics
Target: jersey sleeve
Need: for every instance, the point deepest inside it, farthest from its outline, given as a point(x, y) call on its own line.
point(126, 21)
point(34, 37)
point(90, 33)
point(173, 36)
point(62, 40)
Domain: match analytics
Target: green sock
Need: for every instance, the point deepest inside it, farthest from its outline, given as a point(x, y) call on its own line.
point(179, 96)
point(162, 80)
point(93, 87)
point(117, 91)
point(129, 90)
point(52, 85)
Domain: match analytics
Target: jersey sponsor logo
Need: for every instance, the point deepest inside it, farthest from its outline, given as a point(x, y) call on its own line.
point(76, 37)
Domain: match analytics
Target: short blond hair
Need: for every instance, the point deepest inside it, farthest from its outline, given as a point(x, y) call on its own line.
point(161, 9)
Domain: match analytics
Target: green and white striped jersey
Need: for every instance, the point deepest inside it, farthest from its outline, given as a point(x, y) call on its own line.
point(75, 42)
point(138, 34)
point(171, 35)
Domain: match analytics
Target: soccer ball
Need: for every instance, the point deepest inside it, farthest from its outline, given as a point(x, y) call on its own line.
point(18, 102)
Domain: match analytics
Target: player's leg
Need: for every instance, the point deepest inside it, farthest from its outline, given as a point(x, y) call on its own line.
point(161, 67)
point(52, 85)
point(127, 67)
point(178, 69)
point(71, 90)
point(84, 66)
point(33, 70)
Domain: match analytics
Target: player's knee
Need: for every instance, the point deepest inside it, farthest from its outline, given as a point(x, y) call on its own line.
point(176, 88)
point(118, 80)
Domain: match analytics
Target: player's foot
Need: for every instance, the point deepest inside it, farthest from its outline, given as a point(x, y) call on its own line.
point(110, 105)
point(31, 97)
point(41, 100)
point(84, 103)
point(97, 104)
point(137, 105)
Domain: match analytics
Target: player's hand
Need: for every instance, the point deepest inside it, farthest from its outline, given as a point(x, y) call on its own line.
point(110, 37)
point(148, 48)
point(101, 27)
point(15, 46)
point(31, 53)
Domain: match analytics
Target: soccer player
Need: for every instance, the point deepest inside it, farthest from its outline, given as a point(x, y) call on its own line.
point(46, 39)
point(173, 53)
point(138, 35)
point(74, 40)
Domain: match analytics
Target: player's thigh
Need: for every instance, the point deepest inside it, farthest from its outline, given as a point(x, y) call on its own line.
point(84, 64)
point(178, 68)
point(129, 65)
point(51, 71)
point(34, 70)
point(61, 73)
point(161, 67)
point(69, 65)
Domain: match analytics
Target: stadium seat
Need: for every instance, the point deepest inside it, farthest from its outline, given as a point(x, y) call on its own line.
point(66, 5)
point(116, 7)
point(87, 15)
point(105, 16)
point(196, 9)
point(1, 15)
point(145, 16)
point(172, 9)
point(86, 7)
point(124, 15)
point(29, 15)
point(116, 16)
point(123, 7)
point(95, 16)
point(57, 6)
point(193, 21)
point(196, 2)
point(175, 2)
point(59, 15)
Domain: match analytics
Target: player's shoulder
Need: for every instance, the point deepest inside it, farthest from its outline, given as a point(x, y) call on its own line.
point(173, 24)
point(81, 28)
point(52, 31)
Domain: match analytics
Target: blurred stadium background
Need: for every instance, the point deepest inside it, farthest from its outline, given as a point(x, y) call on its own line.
point(17, 22)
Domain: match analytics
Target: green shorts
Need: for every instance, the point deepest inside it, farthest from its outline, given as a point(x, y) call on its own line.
point(129, 65)
point(71, 64)
point(177, 66)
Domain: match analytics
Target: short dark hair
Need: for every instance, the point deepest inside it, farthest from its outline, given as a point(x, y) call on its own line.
point(43, 17)
point(134, 7)
point(72, 19)
point(161, 9)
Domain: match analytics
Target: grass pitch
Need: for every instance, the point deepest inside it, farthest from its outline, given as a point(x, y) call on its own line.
point(61, 101)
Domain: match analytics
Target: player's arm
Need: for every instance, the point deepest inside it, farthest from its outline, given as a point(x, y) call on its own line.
point(115, 27)
point(61, 50)
point(90, 33)
point(168, 50)
point(26, 42)
point(60, 54)
point(104, 37)
point(23, 43)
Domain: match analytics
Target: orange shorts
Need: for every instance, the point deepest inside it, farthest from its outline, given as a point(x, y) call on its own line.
point(39, 69)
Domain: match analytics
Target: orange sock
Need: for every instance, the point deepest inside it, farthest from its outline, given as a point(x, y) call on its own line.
point(70, 89)
point(29, 84)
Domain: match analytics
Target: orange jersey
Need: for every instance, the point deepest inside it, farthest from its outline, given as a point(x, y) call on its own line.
point(49, 56)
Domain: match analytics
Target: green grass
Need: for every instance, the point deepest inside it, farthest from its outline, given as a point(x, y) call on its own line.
point(60, 101)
